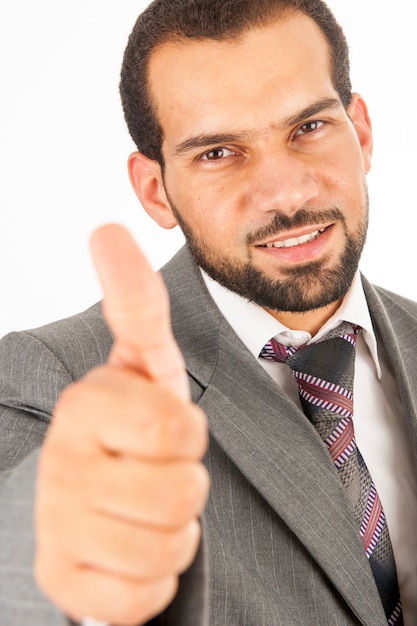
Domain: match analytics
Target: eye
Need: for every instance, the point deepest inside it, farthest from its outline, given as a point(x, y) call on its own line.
point(215, 154)
point(309, 127)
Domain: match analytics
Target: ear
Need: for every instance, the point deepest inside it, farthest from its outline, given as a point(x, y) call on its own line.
point(147, 182)
point(358, 113)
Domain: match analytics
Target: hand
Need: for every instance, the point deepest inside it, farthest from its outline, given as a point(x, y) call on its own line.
point(121, 484)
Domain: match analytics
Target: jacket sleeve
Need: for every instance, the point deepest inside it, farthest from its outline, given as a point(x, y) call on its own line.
point(31, 378)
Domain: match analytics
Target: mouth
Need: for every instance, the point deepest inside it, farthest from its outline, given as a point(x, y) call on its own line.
point(292, 242)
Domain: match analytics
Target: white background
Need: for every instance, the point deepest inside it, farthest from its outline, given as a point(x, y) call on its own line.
point(64, 146)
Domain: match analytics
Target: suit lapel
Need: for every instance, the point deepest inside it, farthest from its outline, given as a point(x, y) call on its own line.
point(269, 439)
point(274, 445)
point(395, 322)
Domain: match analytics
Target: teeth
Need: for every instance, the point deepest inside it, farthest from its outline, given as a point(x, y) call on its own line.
point(295, 241)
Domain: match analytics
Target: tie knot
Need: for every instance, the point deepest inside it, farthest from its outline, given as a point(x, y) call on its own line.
point(276, 351)
point(324, 371)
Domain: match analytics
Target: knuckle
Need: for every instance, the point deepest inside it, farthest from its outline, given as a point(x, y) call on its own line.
point(191, 492)
point(174, 429)
point(163, 425)
point(188, 551)
point(49, 573)
point(168, 426)
point(178, 548)
point(189, 431)
point(134, 603)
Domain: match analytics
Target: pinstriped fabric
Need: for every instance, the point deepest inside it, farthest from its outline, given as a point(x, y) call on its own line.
point(324, 372)
point(261, 574)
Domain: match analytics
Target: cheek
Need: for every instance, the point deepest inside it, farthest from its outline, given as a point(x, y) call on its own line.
point(203, 217)
point(210, 209)
point(345, 177)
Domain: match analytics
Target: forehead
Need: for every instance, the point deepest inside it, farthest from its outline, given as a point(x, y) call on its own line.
point(268, 73)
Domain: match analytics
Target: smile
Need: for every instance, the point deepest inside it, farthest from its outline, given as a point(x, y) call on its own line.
point(295, 241)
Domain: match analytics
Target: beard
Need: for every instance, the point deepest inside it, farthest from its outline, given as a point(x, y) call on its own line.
point(306, 287)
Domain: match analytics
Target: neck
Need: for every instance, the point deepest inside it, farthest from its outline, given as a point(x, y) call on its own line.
point(310, 321)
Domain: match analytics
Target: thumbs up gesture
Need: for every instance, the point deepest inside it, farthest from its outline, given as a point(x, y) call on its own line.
point(121, 484)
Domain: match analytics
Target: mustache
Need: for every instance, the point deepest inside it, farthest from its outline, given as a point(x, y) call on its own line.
point(303, 217)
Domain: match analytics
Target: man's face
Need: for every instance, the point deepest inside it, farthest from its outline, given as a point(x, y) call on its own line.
point(264, 169)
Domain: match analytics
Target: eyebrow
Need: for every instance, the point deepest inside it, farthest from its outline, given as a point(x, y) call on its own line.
point(208, 139)
point(312, 109)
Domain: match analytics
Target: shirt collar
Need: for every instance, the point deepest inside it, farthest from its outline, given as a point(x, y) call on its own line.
point(255, 327)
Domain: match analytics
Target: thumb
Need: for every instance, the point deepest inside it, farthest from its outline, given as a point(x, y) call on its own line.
point(136, 307)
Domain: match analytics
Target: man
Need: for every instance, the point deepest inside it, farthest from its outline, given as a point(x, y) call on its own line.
point(248, 137)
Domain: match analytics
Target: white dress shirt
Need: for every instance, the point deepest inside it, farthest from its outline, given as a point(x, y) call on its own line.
point(379, 423)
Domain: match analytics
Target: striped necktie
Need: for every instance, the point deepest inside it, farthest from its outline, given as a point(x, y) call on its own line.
point(324, 372)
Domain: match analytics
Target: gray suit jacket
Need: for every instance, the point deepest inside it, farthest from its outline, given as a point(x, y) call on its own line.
point(280, 546)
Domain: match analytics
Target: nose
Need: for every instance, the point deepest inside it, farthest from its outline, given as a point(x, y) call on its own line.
point(282, 182)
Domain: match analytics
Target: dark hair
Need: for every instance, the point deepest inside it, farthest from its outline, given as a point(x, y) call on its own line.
point(168, 20)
